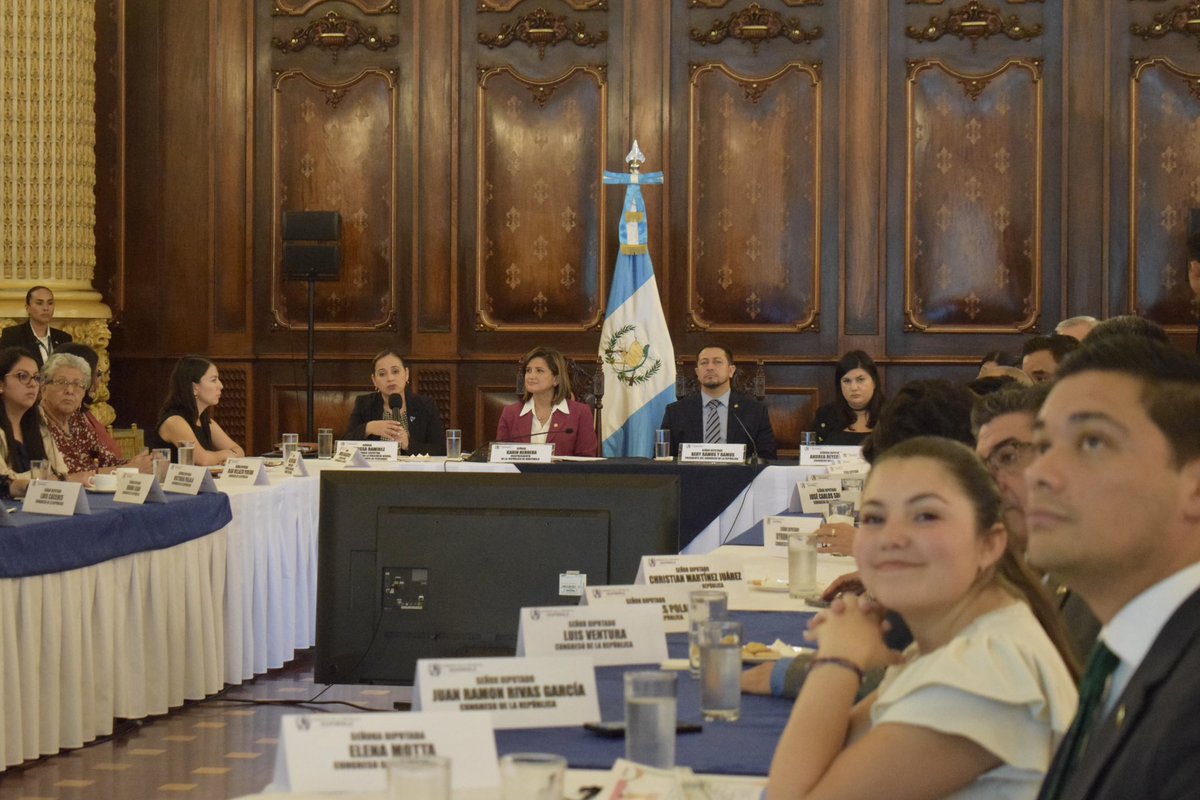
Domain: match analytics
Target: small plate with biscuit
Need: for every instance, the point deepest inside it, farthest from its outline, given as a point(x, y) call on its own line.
point(759, 653)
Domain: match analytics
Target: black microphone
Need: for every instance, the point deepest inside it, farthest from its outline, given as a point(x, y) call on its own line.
point(480, 453)
point(755, 459)
point(396, 404)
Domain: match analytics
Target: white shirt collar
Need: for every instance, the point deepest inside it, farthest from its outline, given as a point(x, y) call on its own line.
point(1132, 632)
point(561, 405)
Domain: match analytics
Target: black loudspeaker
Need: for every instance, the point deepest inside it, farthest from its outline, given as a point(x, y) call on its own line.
point(318, 262)
point(312, 226)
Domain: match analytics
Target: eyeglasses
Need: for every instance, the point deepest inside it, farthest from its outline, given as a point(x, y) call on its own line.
point(63, 383)
point(1010, 457)
point(29, 379)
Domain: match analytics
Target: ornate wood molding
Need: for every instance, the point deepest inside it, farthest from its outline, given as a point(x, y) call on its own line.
point(974, 21)
point(723, 3)
point(333, 32)
point(508, 5)
point(298, 8)
point(754, 24)
point(541, 29)
point(1183, 19)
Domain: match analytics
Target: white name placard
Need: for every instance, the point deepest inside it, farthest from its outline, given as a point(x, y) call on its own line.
point(693, 453)
point(670, 599)
point(348, 457)
point(694, 572)
point(372, 450)
point(294, 467)
point(189, 479)
point(349, 752)
point(245, 472)
point(776, 531)
point(61, 498)
point(546, 692)
point(825, 455)
point(611, 636)
point(138, 489)
point(817, 495)
point(507, 453)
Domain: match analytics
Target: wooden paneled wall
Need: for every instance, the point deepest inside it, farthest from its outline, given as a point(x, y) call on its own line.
point(922, 179)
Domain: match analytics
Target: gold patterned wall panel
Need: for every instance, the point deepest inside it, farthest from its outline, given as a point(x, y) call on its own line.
point(334, 150)
point(1164, 184)
point(541, 226)
point(754, 199)
point(973, 250)
point(298, 8)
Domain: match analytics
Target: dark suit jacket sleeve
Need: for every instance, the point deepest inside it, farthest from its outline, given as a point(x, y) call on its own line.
point(11, 336)
point(426, 434)
point(764, 434)
point(367, 408)
point(58, 337)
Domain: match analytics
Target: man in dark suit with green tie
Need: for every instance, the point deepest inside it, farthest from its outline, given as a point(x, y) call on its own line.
point(1114, 512)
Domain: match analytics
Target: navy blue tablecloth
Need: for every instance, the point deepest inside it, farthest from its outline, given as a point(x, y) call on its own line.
point(743, 747)
point(705, 490)
point(40, 544)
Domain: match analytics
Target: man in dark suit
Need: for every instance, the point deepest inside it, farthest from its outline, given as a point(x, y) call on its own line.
point(717, 413)
point(1114, 512)
point(36, 335)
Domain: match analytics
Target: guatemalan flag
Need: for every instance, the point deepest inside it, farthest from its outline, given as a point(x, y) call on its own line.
point(635, 344)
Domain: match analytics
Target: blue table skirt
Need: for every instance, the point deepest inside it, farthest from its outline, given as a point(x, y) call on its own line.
point(744, 747)
point(41, 544)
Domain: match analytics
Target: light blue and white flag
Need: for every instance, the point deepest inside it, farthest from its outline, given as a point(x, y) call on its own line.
point(635, 344)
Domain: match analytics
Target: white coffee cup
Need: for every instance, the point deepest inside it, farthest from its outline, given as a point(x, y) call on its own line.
point(105, 482)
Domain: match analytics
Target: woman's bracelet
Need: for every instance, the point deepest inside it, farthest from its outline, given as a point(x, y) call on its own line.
point(844, 663)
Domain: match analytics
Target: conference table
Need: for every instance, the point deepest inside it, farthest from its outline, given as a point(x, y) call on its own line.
point(90, 633)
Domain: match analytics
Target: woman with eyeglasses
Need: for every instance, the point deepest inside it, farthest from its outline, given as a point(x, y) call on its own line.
point(25, 438)
point(89, 397)
point(186, 415)
point(65, 380)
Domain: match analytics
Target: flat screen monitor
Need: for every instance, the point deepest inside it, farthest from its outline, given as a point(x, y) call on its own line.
point(438, 565)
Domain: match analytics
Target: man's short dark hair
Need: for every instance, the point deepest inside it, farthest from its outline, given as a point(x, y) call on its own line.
point(1170, 384)
point(936, 407)
point(710, 346)
point(1012, 400)
point(1129, 325)
point(1058, 345)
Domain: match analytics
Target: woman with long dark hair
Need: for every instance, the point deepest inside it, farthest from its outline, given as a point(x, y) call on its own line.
point(854, 413)
point(186, 415)
point(24, 438)
point(979, 702)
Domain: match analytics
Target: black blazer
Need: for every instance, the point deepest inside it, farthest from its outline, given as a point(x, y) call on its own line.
point(425, 431)
point(1149, 746)
point(685, 420)
point(21, 335)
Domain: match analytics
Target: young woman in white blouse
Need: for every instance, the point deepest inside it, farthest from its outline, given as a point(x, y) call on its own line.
point(978, 704)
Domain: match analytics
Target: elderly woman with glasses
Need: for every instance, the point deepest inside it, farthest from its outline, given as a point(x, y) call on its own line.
point(65, 380)
point(23, 436)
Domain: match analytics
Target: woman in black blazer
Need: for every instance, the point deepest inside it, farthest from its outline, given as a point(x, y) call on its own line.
point(415, 424)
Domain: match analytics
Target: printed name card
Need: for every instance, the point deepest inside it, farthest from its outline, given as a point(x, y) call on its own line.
point(554, 691)
point(507, 453)
point(371, 450)
point(294, 467)
point(693, 453)
point(776, 531)
point(832, 495)
point(61, 498)
point(189, 479)
point(670, 599)
point(245, 472)
point(694, 572)
point(611, 636)
point(348, 456)
point(138, 489)
point(825, 455)
point(349, 752)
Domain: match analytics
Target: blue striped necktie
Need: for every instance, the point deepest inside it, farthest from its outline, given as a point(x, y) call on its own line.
point(712, 425)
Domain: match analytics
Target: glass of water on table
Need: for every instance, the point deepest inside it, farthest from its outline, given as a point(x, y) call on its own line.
point(721, 669)
point(650, 708)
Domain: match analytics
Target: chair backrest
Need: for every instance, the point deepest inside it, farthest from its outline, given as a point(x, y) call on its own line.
point(583, 383)
point(744, 381)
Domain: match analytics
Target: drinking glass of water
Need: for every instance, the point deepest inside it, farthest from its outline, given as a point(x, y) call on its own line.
point(703, 605)
point(721, 669)
point(662, 444)
point(419, 778)
point(802, 565)
point(650, 718)
point(324, 443)
point(532, 776)
point(291, 444)
point(185, 453)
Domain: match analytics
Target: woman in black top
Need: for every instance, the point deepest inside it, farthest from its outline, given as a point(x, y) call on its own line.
point(849, 418)
point(410, 419)
point(186, 415)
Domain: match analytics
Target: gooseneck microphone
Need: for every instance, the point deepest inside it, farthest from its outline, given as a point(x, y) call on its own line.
point(755, 458)
point(396, 405)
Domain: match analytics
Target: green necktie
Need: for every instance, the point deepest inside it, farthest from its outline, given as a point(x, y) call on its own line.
point(1100, 666)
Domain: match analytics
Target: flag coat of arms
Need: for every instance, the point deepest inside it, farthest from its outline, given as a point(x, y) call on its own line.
point(635, 344)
